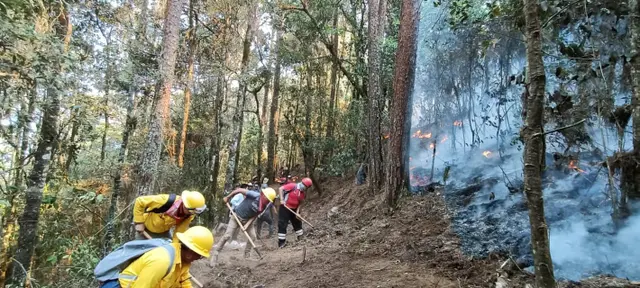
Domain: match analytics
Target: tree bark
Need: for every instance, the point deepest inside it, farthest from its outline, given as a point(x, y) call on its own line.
point(333, 88)
point(130, 126)
point(534, 147)
point(161, 121)
point(377, 10)
point(635, 99)
point(189, 87)
point(236, 133)
point(272, 137)
point(402, 89)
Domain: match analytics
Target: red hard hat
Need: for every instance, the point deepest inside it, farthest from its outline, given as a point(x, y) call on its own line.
point(307, 182)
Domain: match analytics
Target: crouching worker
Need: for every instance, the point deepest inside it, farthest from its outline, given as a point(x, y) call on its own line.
point(155, 263)
point(254, 202)
point(291, 196)
point(155, 215)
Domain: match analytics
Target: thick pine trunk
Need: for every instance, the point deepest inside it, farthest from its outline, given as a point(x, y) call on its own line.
point(634, 6)
point(236, 132)
point(161, 121)
point(272, 137)
point(402, 89)
point(534, 147)
point(377, 12)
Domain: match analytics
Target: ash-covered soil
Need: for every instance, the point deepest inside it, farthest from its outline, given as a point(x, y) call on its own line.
point(356, 243)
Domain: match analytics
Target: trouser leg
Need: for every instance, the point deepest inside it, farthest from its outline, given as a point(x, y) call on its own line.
point(283, 221)
point(297, 226)
point(260, 221)
point(232, 227)
point(252, 234)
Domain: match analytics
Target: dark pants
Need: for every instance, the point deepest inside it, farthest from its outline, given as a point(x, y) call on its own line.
point(111, 284)
point(284, 217)
point(265, 217)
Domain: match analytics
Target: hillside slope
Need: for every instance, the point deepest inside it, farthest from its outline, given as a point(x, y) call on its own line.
point(354, 244)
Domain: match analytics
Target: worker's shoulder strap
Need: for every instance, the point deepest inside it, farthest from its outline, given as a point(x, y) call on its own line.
point(172, 257)
point(166, 206)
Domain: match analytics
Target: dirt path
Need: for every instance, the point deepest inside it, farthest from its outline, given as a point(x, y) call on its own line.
point(358, 246)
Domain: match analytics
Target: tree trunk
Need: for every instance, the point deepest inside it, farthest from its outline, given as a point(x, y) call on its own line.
point(28, 234)
point(260, 136)
point(402, 89)
point(534, 148)
point(333, 88)
point(377, 10)
point(130, 126)
point(189, 87)
point(236, 132)
point(161, 121)
point(272, 137)
point(215, 147)
point(635, 100)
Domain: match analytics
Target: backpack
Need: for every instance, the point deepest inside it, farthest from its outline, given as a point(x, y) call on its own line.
point(110, 266)
point(165, 207)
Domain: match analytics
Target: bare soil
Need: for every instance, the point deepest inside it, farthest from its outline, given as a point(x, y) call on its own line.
point(360, 244)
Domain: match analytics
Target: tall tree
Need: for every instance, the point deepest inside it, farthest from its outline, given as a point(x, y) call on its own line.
point(634, 8)
point(28, 234)
point(402, 89)
point(236, 132)
point(333, 88)
point(533, 136)
point(161, 119)
point(272, 137)
point(192, 42)
point(377, 12)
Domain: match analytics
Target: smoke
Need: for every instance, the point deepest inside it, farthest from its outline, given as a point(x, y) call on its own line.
point(469, 108)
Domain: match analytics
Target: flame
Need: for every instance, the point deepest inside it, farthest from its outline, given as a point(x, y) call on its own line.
point(431, 146)
point(386, 136)
point(457, 123)
point(486, 153)
point(419, 134)
point(572, 165)
point(444, 139)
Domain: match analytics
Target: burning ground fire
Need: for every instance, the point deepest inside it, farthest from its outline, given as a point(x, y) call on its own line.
point(486, 154)
point(572, 165)
point(457, 123)
point(419, 134)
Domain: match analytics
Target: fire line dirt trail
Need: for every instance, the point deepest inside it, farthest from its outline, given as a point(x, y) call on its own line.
point(355, 244)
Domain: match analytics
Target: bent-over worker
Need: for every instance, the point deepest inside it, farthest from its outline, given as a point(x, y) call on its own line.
point(291, 195)
point(157, 214)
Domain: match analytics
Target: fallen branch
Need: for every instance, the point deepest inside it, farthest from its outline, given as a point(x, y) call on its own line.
point(559, 129)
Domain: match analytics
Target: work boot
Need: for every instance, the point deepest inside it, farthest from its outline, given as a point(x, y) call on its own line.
point(282, 243)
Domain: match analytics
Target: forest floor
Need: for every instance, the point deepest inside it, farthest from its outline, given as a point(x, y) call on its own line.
point(358, 245)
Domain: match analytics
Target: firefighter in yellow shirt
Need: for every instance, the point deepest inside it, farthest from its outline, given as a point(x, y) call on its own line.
point(157, 214)
point(154, 269)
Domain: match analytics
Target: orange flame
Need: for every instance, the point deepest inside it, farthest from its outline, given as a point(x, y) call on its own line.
point(419, 134)
point(486, 153)
point(386, 136)
point(457, 123)
point(431, 146)
point(444, 139)
point(572, 165)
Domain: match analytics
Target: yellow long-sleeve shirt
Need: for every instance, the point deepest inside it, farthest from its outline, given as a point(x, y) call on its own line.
point(149, 271)
point(157, 222)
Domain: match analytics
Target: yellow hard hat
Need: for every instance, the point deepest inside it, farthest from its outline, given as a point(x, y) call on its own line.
point(269, 193)
point(198, 238)
point(193, 199)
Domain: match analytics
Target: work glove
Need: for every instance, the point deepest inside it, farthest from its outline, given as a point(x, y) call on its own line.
point(139, 227)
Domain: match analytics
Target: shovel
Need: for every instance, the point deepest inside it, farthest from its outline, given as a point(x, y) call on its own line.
point(298, 215)
point(244, 230)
